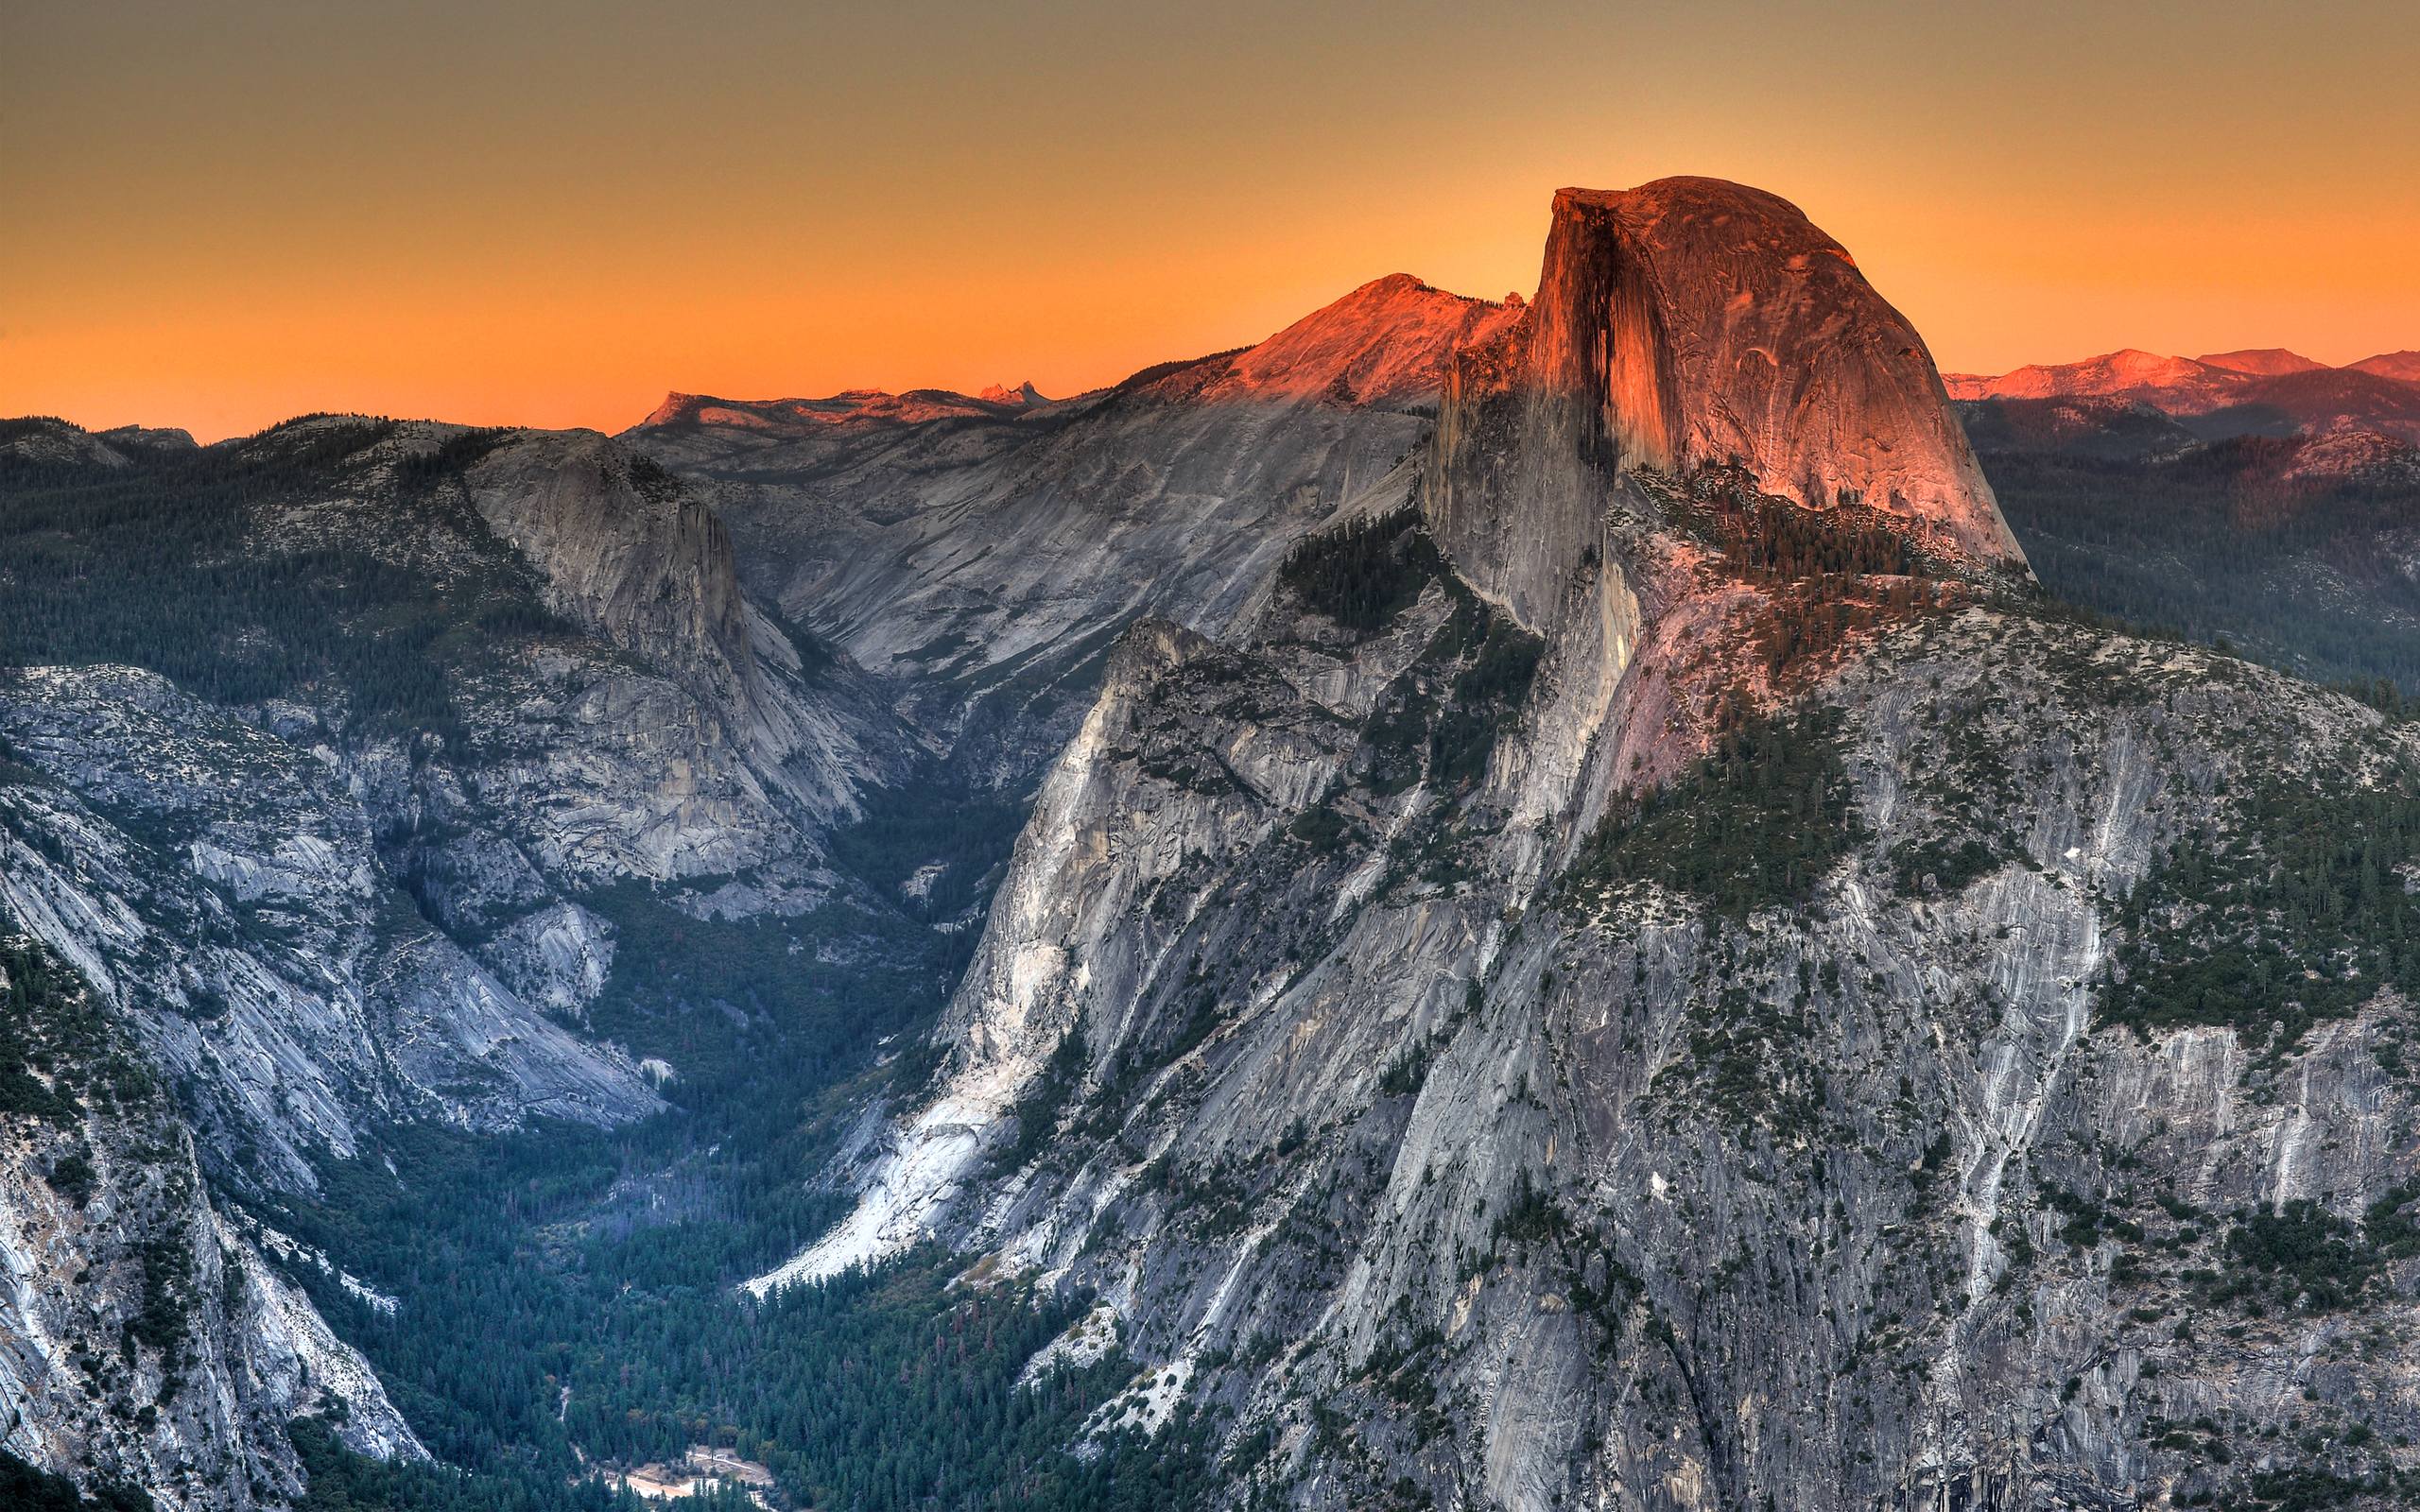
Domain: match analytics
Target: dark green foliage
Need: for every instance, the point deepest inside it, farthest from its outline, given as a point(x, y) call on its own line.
point(448, 458)
point(1324, 830)
point(23, 1489)
point(1962, 783)
point(164, 1321)
point(2299, 1256)
point(1038, 1111)
point(797, 1003)
point(2219, 543)
point(923, 823)
point(2392, 1225)
point(606, 1262)
point(50, 1027)
point(1533, 1218)
point(342, 1481)
point(72, 1177)
point(2310, 1489)
point(1753, 825)
point(1536, 1228)
point(1744, 1053)
point(567, 1258)
point(1441, 719)
point(1929, 1165)
point(1409, 1072)
point(1365, 572)
point(1827, 575)
point(1487, 692)
point(1949, 864)
point(1769, 541)
point(2293, 914)
point(176, 563)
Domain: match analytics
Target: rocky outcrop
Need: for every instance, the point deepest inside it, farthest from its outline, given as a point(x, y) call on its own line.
point(626, 553)
point(1686, 322)
point(144, 1339)
point(1483, 1101)
point(1386, 344)
point(1603, 951)
point(224, 895)
point(304, 921)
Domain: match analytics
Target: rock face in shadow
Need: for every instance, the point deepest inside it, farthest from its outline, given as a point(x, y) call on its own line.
point(288, 922)
point(1683, 322)
point(624, 550)
point(986, 554)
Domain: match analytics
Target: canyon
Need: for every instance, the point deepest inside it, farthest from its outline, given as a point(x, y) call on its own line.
point(1498, 903)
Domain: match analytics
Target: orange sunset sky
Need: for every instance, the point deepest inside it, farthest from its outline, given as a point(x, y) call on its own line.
point(217, 214)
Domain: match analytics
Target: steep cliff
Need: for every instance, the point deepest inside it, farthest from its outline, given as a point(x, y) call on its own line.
point(987, 554)
point(1703, 995)
point(1585, 937)
point(322, 757)
point(1686, 322)
point(145, 1339)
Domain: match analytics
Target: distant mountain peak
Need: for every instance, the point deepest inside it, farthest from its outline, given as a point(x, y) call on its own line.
point(2126, 371)
point(1387, 343)
point(2266, 362)
point(2404, 365)
point(849, 406)
point(2264, 390)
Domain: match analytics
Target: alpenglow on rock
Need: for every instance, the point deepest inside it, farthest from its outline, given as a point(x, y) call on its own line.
point(1477, 1099)
point(1688, 321)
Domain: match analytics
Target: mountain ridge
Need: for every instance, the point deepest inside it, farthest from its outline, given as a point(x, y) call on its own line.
point(1578, 931)
point(1452, 1017)
point(2267, 391)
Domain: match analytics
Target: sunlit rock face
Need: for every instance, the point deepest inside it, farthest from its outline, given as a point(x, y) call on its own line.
point(2267, 362)
point(1690, 321)
point(1386, 344)
point(2263, 391)
point(1459, 1164)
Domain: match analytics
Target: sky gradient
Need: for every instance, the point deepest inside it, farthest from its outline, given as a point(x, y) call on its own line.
point(218, 215)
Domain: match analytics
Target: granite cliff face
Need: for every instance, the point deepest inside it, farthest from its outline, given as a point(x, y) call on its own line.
point(291, 920)
point(1686, 322)
point(1652, 983)
point(986, 554)
point(145, 1337)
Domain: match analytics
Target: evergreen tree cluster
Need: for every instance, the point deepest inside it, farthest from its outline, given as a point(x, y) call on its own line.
point(1754, 824)
point(25, 1488)
point(1363, 572)
point(2296, 910)
point(179, 562)
point(2220, 545)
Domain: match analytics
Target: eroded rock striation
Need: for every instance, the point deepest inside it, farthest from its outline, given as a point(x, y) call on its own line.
point(1662, 979)
point(987, 554)
point(353, 891)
